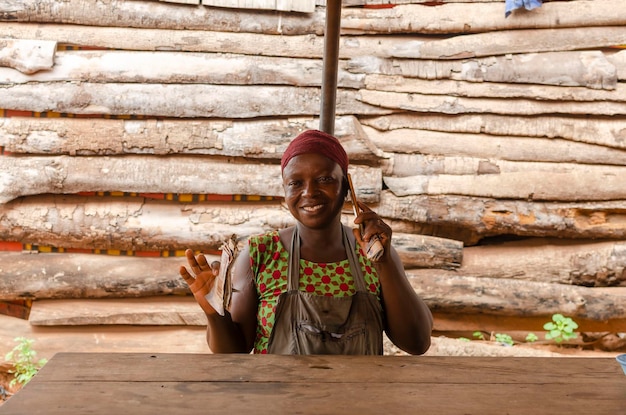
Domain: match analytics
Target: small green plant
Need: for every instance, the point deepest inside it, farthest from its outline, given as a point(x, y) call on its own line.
point(23, 358)
point(531, 337)
point(504, 339)
point(464, 339)
point(479, 335)
point(560, 328)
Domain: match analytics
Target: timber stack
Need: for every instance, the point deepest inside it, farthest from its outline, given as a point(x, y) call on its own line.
point(131, 130)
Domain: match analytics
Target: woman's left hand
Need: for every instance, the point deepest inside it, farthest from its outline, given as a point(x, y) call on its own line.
point(372, 227)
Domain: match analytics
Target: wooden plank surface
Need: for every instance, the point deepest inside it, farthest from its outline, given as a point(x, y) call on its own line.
point(187, 383)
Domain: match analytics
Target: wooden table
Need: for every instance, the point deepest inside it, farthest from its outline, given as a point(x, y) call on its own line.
point(155, 384)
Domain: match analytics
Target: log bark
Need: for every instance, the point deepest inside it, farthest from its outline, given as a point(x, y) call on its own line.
point(580, 184)
point(252, 139)
point(181, 68)
point(73, 275)
point(160, 15)
point(584, 263)
point(480, 17)
point(619, 60)
point(137, 174)
point(178, 100)
point(135, 223)
point(27, 56)
point(311, 46)
point(455, 18)
point(610, 132)
point(303, 6)
point(459, 105)
point(506, 297)
point(493, 90)
point(436, 152)
point(471, 219)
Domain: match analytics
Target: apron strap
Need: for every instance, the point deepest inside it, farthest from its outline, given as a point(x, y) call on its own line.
point(293, 269)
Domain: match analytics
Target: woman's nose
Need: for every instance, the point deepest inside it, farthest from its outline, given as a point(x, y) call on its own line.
point(310, 188)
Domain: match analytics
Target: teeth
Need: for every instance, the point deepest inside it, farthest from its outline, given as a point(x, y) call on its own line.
point(312, 208)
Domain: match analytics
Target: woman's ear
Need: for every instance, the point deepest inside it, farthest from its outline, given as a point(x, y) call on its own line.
point(345, 187)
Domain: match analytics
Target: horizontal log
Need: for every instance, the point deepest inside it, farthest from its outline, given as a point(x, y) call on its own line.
point(507, 297)
point(610, 132)
point(471, 219)
point(619, 60)
point(27, 56)
point(591, 69)
point(24, 176)
point(253, 139)
point(460, 105)
point(180, 68)
point(480, 17)
point(490, 89)
point(178, 100)
point(161, 15)
point(549, 260)
point(452, 18)
point(436, 152)
point(586, 183)
point(135, 223)
point(73, 275)
point(311, 46)
point(304, 6)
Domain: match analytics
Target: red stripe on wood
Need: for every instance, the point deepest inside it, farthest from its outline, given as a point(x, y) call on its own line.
point(16, 308)
point(10, 246)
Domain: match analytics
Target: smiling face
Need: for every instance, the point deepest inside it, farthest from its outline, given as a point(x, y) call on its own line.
point(314, 190)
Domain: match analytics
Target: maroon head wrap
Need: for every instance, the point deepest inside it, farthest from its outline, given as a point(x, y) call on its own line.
point(319, 142)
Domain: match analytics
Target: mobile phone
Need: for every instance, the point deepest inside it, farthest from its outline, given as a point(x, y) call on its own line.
point(375, 248)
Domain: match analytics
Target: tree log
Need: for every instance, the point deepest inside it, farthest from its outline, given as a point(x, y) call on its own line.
point(460, 153)
point(446, 18)
point(27, 56)
point(178, 100)
point(160, 15)
point(460, 105)
point(175, 174)
point(131, 223)
point(471, 219)
point(72, 275)
point(585, 263)
point(252, 139)
point(493, 90)
point(480, 17)
point(311, 46)
point(506, 297)
point(610, 132)
point(181, 68)
point(619, 60)
point(584, 183)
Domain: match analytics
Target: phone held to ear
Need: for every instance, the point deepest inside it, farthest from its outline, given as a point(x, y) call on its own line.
point(375, 248)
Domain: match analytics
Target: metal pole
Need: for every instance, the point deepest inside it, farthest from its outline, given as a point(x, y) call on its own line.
point(330, 63)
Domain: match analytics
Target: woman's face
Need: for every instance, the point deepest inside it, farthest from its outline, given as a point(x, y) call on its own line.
point(314, 189)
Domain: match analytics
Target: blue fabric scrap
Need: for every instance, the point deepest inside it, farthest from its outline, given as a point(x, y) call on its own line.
point(511, 5)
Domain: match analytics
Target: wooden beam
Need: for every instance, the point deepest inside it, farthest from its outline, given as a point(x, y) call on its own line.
point(26, 55)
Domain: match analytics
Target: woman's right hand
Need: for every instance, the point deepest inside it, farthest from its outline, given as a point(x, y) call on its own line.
point(200, 278)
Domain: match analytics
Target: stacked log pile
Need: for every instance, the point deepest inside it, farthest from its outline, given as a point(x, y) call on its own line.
point(131, 130)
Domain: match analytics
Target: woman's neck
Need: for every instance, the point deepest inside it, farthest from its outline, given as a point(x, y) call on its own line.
point(323, 244)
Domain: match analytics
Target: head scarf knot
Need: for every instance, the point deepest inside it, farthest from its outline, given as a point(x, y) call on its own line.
point(319, 142)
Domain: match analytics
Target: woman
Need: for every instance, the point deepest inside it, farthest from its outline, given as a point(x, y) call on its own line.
point(309, 289)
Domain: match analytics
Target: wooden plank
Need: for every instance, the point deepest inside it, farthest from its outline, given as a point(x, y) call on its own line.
point(252, 139)
point(444, 104)
point(431, 398)
point(610, 132)
point(303, 6)
point(179, 100)
point(332, 370)
point(619, 60)
point(181, 67)
point(151, 311)
point(446, 152)
point(174, 174)
point(26, 55)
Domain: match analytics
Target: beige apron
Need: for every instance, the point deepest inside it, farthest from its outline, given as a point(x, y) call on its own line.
point(313, 324)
